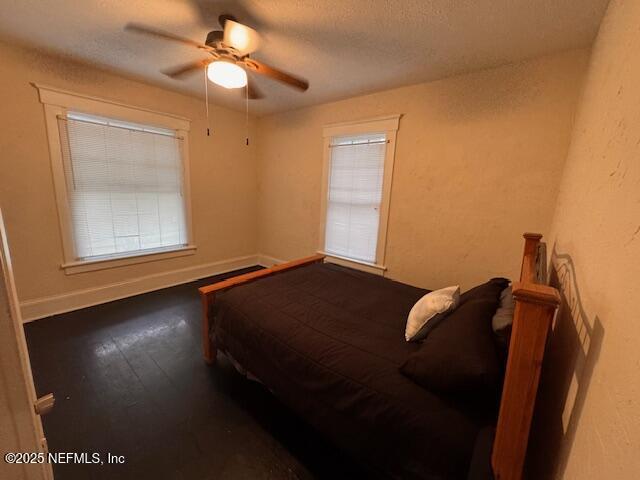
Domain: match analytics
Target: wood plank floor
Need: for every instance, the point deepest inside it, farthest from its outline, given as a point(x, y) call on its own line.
point(129, 379)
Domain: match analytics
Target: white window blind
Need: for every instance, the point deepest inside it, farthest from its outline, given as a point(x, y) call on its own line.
point(124, 186)
point(354, 196)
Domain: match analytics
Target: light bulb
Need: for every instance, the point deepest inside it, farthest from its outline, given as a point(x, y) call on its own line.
point(226, 74)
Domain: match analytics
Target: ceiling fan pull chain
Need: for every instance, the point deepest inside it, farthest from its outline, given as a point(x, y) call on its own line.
point(206, 99)
point(247, 110)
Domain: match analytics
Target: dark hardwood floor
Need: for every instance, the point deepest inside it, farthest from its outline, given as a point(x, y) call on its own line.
point(129, 380)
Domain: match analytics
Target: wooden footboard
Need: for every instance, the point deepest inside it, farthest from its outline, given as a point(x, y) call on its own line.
point(208, 295)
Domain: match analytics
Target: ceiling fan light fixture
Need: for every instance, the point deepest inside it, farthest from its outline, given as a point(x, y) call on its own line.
point(240, 37)
point(236, 35)
point(226, 74)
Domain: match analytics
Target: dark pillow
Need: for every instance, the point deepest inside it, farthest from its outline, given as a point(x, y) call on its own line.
point(491, 289)
point(430, 325)
point(459, 356)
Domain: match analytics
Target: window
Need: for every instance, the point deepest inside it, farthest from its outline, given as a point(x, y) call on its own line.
point(357, 182)
point(121, 177)
point(124, 186)
point(354, 196)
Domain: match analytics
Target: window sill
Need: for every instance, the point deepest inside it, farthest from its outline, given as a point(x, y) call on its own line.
point(374, 268)
point(71, 268)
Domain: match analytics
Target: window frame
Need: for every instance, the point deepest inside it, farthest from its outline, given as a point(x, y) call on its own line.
point(389, 125)
point(57, 103)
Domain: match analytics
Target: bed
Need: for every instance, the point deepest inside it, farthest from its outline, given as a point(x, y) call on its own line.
point(327, 341)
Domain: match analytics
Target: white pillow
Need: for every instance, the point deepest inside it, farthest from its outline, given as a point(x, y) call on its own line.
point(427, 311)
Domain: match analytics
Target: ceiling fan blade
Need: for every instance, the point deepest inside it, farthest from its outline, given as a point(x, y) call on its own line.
point(138, 28)
point(244, 39)
point(188, 68)
point(276, 74)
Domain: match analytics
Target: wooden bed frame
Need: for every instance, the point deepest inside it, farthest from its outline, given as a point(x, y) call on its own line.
point(536, 304)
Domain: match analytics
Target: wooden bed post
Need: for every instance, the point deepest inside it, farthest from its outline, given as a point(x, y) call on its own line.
point(535, 307)
point(529, 257)
point(208, 295)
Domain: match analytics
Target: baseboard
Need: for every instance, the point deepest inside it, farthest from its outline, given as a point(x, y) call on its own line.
point(268, 261)
point(55, 304)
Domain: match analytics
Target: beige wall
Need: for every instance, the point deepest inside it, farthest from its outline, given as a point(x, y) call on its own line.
point(478, 154)
point(595, 381)
point(223, 174)
point(478, 161)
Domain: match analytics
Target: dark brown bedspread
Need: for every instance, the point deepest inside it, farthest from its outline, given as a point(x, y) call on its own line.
point(328, 341)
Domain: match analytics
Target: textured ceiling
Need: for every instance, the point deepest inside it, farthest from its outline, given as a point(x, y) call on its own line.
point(344, 48)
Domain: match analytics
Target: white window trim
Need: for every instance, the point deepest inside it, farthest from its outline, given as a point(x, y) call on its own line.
point(389, 125)
point(56, 103)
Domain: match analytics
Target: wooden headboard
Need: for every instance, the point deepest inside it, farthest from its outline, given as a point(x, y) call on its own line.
point(536, 304)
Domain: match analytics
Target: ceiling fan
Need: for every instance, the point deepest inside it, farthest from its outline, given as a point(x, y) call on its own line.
point(229, 60)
